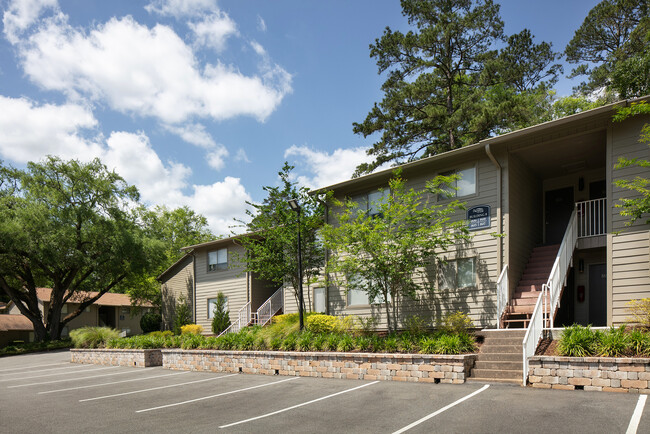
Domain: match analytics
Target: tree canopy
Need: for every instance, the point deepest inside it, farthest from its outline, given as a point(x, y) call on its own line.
point(67, 226)
point(610, 49)
point(387, 254)
point(448, 84)
point(272, 248)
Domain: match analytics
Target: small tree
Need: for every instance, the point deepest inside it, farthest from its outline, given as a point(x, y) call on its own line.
point(183, 315)
point(221, 319)
point(639, 205)
point(384, 255)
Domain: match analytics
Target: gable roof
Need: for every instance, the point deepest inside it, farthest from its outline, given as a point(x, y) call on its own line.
point(108, 299)
point(182, 260)
point(15, 323)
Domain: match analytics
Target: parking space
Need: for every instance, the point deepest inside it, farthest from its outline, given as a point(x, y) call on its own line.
point(46, 393)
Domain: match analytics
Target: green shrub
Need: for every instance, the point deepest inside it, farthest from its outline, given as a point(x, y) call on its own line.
point(191, 329)
point(367, 325)
point(639, 343)
point(332, 342)
point(577, 341)
point(449, 344)
point(415, 325)
point(612, 343)
point(289, 342)
point(319, 342)
point(260, 343)
point(346, 343)
point(457, 322)
point(405, 343)
point(221, 319)
point(390, 344)
point(320, 323)
point(468, 344)
point(192, 341)
point(183, 315)
point(92, 337)
point(167, 333)
point(32, 347)
point(246, 341)
point(640, 310)
point(429, 345)
point(150, 322)
point(363, 343)
point(155, 333)
point(304, 341)
point(276, 343)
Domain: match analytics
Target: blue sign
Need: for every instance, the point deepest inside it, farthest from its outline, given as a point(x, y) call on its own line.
point(479, 217)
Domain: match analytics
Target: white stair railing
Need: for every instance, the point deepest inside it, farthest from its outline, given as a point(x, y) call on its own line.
point(243, 319)
point(502, 294)
point(270, 307)
point(591, 217)
point(551, 291)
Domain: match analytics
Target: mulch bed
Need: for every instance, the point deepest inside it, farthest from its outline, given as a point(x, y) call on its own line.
point(547, 347)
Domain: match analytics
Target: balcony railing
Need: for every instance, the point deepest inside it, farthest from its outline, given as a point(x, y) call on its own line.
point(591, 216)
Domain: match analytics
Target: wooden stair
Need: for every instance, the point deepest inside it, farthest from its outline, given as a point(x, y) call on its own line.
point(522, 304)
point(500, 357)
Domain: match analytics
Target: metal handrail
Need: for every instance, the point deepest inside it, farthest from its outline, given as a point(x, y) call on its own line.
point(551, 291)
point(270, 307)
point(592, 217)
point(243, 317)
point(502, 294)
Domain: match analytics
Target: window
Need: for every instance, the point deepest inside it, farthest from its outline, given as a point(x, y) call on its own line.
point(465, 185)
point(212, 304)
point(359, 296)
point(460, 273)
point(370, 203)
point(319, 300)
point(218, 260)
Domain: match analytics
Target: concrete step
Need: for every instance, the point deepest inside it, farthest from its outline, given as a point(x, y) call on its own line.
point(515, 340)
point(495, 380)
point(499, 365)
point(500, 333)
point(501, 349)
point(497, 373)
point(516, 323)
point(500, 357)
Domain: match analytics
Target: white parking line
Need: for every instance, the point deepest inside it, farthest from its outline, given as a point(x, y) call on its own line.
point(155, 388)
point(636, 416)
point(217, 395)
point(33, 366)
point(73, 379)
point(298, 405)
point(113, 382)
point(81, 369)
point(443, 409)
point(72, 366)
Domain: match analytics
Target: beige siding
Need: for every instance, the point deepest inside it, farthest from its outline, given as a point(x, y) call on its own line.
point(524, 217)
point(180, 283)
point(232, 282)
point(432, 304)
point(629, 246)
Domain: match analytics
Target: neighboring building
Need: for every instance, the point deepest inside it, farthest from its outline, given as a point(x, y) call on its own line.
point(176, 286)
point(109, 310)
point(15, 328)
point(530, 181)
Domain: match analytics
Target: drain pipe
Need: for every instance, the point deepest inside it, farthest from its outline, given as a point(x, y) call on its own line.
point(499, 199)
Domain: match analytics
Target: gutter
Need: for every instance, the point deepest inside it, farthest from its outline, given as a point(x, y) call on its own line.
point(499, 202)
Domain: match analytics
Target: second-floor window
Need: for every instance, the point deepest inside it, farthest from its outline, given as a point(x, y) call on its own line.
point(218, 260)
point(465, 185)
point(370, 203)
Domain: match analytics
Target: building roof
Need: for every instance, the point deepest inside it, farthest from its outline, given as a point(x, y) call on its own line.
point(497, 140)
point(220, 241)
point(15, 323)
point(108, 299)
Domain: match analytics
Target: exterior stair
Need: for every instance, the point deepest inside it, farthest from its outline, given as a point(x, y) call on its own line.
point(538, 269)
point(500, 357)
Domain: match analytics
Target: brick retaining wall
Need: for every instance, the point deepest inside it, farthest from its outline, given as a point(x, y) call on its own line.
point(608, 374)
point(359, 366)
point(117, 357)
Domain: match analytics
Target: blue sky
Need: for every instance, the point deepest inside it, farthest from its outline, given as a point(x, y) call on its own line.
point(199, 102)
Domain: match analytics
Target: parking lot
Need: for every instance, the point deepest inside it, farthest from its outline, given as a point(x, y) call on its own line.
point(46, 393)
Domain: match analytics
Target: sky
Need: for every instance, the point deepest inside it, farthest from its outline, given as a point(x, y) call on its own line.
point(199, 102)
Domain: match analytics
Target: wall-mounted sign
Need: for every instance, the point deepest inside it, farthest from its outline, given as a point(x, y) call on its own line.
point(479, 217)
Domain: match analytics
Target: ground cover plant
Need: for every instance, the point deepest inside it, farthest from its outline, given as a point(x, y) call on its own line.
point(579, 341)
point(93, 337)
point(322, 333)
point(34, 347)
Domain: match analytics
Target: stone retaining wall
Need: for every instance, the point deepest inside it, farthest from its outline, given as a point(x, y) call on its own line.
point(607, 374)
point(359, 366)
point(117, 357)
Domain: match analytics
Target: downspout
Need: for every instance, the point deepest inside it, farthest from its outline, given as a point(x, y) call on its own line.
point(193, 287)
point(499, 199)
point(327, 280)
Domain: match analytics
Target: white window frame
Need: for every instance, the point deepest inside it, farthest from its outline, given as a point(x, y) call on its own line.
point(220, 257)
point(453, 192)
point(212, 303)
point(452, 267)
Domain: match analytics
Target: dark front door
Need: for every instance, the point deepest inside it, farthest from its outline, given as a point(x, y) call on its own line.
point(107, 316)
point(597, 295)
point(558, 208)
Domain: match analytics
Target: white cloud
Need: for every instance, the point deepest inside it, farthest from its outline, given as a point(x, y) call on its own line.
point(194, 134)
point(146, 71)
point(21, 14)
point(325, 169)
point(213, 31)
point(261, 24)
point(181, 8)
point(242, 156)
point(257, 47)
point(221, 202)
point(29, 131)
